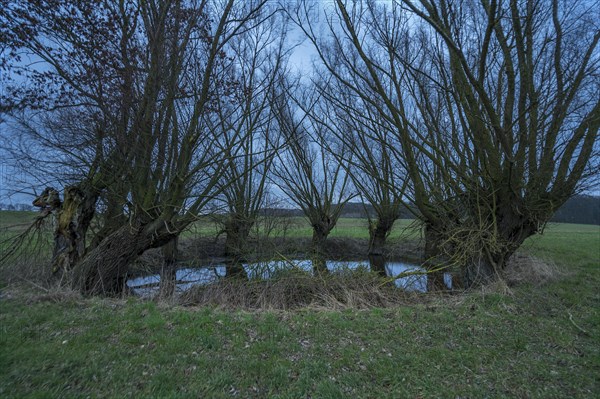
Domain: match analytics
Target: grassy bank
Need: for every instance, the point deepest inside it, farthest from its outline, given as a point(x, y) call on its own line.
point(538, 341)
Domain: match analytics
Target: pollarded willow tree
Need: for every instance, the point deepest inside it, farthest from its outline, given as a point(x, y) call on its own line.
point(305, 171)
point(521, 89)
point(152, 72)
point(374, 84)
point(370, 158)
point(248, 133)
point(495, 109)
point(67, 105)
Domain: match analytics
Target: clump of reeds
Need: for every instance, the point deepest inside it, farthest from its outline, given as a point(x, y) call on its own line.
point(294, 288)
point(523, 268)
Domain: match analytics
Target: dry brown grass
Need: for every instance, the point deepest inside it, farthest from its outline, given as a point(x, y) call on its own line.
point(527, 269)
point(30, 292)
point(32, 270)
point(297, 289)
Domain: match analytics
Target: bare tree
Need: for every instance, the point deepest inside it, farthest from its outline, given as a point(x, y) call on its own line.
point(362, 71)
point(249, 137)
point(492, 109)
point(370, 159)
point(519, 88)
point(168, 61)
point(70, 104)
point(307, 173)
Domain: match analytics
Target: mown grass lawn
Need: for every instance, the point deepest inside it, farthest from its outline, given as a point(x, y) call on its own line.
point(536, 342)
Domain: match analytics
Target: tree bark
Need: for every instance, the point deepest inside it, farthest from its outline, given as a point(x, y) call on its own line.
point(482, 268)
point(103, 271)
point(378, 233)
point(377, 241)
point(513, 229)
point(480, 271)
point(113, 219)
point(237, 232)
point(377, 263)
point(433, 259)
point(318, 251)
point(74, 218)
point(235, 269)
point(168, 272)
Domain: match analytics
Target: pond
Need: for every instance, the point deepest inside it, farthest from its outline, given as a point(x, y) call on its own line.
point(147, 286)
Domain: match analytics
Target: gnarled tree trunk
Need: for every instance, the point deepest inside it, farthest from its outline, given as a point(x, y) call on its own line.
point(74, 217)
point(434, 258)
point(321, 229)
point(319, 263)
point(103, 270)
point(378, 233)
point(168, 272)
point(377, 264)
point(513, 229)
point(112, 219)
point(237, 231)
point(480, 252)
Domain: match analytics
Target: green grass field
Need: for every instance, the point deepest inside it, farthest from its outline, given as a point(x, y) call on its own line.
point(300, 227)
point(14, 219)
point(536, 341)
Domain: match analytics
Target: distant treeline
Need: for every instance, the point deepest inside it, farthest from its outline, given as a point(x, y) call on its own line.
point(581, 209)
point(350, 210)
point(16, 207)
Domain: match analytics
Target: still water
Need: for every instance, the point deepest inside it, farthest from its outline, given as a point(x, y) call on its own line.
point(188, 277)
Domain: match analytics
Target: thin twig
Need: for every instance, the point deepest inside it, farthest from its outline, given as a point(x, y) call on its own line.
point(28, 281)
point(575, 324)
